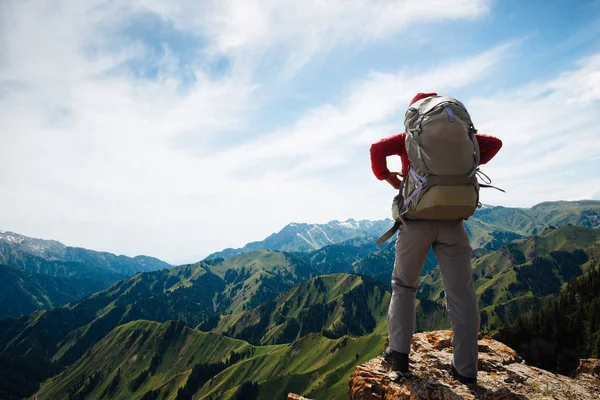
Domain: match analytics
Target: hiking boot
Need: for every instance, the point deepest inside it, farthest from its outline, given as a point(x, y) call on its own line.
point(462, 379)
point(398, 360)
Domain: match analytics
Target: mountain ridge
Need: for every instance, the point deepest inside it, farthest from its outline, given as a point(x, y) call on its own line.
point(489, 228)
point(144, 357)
point(336, 305)
point(52, 250)
point(303, 237)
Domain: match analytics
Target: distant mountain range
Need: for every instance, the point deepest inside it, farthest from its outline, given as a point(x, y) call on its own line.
point(40, 274)
point(304, 237)
point(490, 228)
point(106, 349)
point(323, 282)
point(33, 255)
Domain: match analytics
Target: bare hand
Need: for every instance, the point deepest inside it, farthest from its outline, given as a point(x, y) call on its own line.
point(394, 179)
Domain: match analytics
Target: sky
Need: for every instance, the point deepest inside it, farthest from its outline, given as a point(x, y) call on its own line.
point(176, 129)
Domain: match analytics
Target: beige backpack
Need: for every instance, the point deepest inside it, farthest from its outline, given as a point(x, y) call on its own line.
point(444, 156)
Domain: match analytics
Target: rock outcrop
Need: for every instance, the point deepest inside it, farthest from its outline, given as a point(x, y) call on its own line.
point(292, 396)
point(589, 366)
point(503, 375)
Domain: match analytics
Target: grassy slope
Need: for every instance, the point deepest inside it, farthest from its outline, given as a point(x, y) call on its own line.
point(336, 303)
point(256, 277)
point(186, 293)
point(314, 365)
point(191, 293)
point(496, 276)
point(495, 226)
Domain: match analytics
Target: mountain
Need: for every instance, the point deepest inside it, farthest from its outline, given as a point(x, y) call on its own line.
point(10, 255)
point(55, 259)
point(336, 258)
point(255, 277)
point(349, 246)
point(517, 278)
point(22, 293)
point(63, 334)
point(196, 294)
point(241, 293)
point(492, 227)
point(565, 330)
point(144, 359)
point(296, 237)
point(336, 304)
point(380, 263)
point(199, 293)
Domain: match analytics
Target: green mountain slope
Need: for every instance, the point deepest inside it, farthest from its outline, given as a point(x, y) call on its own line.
point(55, 338)
point(196, 294)
point(492, 227)
point(517, 277)
point(565, 330)
point(21, 293)
point(336, 304)
point(380, 264)
point(255, 277)
point(338, 258)
point(148, 358)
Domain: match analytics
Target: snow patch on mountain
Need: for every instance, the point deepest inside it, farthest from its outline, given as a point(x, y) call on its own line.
point(309, 242)
point(10, 237)
point(308, 237)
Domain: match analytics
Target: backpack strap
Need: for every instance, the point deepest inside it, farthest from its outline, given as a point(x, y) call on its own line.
point(450, 180)
point(487, 182)
point(483, 185)
point(388, 235)
point(477, 155)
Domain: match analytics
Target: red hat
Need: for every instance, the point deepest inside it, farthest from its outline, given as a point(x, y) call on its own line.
point(420, 96)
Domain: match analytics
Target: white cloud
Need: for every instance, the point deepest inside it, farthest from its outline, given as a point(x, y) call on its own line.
point(92, 152)
point(551, 136)
point(252, 30)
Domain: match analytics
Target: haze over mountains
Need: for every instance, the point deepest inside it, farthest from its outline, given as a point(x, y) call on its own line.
point(294, 320)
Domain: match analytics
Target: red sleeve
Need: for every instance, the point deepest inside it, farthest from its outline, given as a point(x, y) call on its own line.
point(393, 145)
point(488, 147)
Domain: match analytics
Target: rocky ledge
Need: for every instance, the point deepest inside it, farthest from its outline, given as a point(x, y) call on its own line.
point(292, 396)
point(503, 375)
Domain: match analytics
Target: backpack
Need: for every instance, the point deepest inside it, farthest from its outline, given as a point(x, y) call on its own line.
point(444, 155)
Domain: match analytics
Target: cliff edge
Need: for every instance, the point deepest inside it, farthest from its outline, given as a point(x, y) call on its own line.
point(503, 375)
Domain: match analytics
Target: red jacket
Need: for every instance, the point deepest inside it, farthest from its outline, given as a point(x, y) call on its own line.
point(394, 145)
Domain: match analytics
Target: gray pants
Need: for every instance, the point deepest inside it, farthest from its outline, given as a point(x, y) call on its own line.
point(453, 251)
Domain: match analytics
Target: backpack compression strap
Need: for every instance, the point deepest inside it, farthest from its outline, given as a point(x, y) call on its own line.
point(388, 235)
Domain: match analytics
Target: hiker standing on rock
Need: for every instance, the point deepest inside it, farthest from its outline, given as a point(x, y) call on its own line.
point(440, 153)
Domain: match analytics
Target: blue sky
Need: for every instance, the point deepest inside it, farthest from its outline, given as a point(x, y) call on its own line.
point(176, 129)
